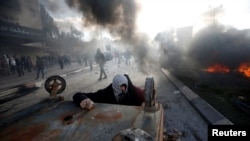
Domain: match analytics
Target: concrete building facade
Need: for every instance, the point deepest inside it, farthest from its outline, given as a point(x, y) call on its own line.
point(23, 28)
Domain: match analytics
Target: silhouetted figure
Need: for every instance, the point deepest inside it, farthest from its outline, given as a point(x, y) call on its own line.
point(60, 61)
point(6, 65)
point(40, 67)
point(12, 63)
point(127, 55)
point(100, 59)
point(90, 59)
point(19, 67)
point(29, 64)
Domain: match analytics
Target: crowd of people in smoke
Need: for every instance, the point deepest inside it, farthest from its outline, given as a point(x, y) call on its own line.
point(13, 65)
point(86, 59)
point(122, 56)
point(24, 65)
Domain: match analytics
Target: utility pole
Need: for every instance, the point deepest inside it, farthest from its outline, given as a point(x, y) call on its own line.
point(215, 10)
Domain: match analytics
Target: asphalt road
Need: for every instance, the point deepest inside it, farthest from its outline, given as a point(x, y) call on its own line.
point(180, 116)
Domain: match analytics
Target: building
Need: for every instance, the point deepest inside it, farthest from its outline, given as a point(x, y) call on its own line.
point(25, 27)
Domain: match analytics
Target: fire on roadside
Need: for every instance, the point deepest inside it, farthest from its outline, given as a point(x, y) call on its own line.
point(218, 68)
point(243, 68)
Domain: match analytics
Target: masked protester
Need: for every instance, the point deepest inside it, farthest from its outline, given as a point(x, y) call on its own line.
point(120, 91)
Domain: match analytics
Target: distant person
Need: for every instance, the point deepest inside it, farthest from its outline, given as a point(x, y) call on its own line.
point(23, 62)
point(90, 59)
point(119, 58)
point(29, 64)
point(12, 63)
point(100, 59)
point(120, 91)
point(19, 67)
point(40, 65)
point(61, 61)
point(6, 65)
point(127, 55)
point(91, 62)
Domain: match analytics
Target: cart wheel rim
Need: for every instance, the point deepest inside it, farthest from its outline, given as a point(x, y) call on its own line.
point(58, 79)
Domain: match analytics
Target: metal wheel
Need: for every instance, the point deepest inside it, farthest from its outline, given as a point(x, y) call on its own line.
point(57, 81)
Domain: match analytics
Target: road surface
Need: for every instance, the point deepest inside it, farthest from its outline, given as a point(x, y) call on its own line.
point(180, 118)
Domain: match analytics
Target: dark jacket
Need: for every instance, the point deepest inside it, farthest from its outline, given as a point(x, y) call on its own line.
point(100, 58)
point(39, 63)
point(134, 96)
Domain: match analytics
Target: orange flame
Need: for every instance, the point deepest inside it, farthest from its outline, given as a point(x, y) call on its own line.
point(245, 69)
point(218, 68)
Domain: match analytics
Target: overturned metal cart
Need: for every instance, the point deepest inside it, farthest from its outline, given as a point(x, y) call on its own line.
point(58, 120)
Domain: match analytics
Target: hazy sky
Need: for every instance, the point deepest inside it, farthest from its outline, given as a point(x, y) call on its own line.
point(177, 13)
point(158, 15)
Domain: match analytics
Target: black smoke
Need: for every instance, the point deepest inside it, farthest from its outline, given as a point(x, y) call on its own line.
point(118, 16)
point(217, 44)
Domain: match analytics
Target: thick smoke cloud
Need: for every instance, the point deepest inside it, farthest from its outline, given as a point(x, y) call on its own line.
point(118, 16)
point(213, 45)
point(65, 17)
point(217, 45)
point(172, 55)
point(59, 9)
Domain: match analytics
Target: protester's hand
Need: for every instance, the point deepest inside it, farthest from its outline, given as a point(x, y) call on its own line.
point(87, 104)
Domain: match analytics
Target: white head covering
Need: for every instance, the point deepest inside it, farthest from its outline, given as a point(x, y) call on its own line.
point(118, 80)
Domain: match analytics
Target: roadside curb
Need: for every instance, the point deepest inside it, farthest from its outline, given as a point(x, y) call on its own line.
point(211, 115)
